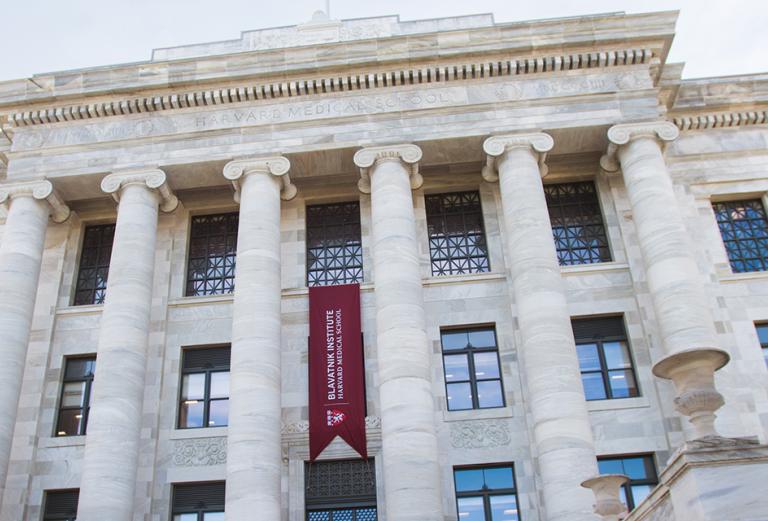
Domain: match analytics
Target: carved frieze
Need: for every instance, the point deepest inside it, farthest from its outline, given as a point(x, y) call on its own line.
point(200, 452)
point(480, 434)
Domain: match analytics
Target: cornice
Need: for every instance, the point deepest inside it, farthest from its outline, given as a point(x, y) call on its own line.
point(356, 81)
point(277, 166)
point(153, 179)
point(41, 190)
point(495, 146)
point(366, 158)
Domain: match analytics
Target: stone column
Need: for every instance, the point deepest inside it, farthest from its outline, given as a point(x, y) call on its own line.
point(254, 454)
point(108, 481)
point(562, 434)
point(680, 303)
point(412, 486)
point(28, 204)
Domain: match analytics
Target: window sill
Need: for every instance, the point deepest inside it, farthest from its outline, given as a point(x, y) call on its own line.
point(618, 404)
point(742, 277)
point(477, 414)
point(598, 267)
point(61, 441)
point(202, 432)
point(456, 279)
point(205, 299)
point(91, 309)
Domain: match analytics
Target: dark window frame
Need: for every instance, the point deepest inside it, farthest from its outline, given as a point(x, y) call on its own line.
point(202, 507)
point(331, 504)
point(438, 220)
point(227, 282)
point(469, 351)
point(487, 493)
point(207, 371)
point(763, 345)
point(71, 515)
point(95, 286)
point(317, 270)
point(736, 245)
point(627, 487)
point(86, 408)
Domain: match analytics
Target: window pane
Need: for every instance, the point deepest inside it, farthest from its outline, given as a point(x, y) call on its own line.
point(79, 368)
point(640, 492)
point(762, 333)
point(213, 516)
point(191, 414)
point(193, 386)
point(589, 360)
point(220, 385)
point(74, 395)
point(489, 394)
point(594, 389)
point(504, 508)
point(610, 466)
point(468, 480)
point(482, 338)
point(69, 422)
point(455, 340)
point(486, 365)
point(366, 514)
point(456, 368)
point(219, 413)
point(635, 468)
point(622, 383)
point(499, 477)
point(471, 509)
point(185, 517)
point(319, 516)
point(342, 515)
point(744, 230)
point(459, 396)
point(617, 355)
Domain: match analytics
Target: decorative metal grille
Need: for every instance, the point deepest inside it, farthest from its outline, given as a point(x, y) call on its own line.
point(577, 224)
point(456, 234)
point(61, 505)
point(212, 255)
point(340, 490)
point(744, 229)
point(334, 248)
point(94, 264)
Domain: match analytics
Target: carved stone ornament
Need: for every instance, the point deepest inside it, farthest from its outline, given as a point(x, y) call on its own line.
point(619, 135)
point(480, 434)
point(496, 146)
point(606, 488)
point(41, 190)
point(367, 158)
point(277, 166)
point(200, 452)
point(301, 427)
point(154, 179)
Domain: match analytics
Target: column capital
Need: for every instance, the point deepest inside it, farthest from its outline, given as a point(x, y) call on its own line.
point(152, 178)
point(496, 146)
point(42, 190)
point(408, 154)
point(624, 133)
point(277, 166)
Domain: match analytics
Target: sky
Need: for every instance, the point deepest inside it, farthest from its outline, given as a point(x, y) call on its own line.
point(714, 37)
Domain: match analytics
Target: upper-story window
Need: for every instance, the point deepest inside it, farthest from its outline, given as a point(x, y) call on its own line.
point(76, 394)
point(577, 223)
point(212, 254)
point(341, 490)
point(199, 501)
point(472, 371)
point(486, 493)
point(762, 333)
point(60, 505)
point(93, 271)
point(641, 472)
point(334, 247)
point(204, 397)
point(606, 365)
point(457, 243)
point(744, 229)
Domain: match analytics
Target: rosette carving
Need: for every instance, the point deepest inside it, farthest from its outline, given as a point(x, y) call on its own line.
point(277, 166)
point(367, 158)
point(495, 146)
point(41, 190)
point(619, 135)
point(154, 179)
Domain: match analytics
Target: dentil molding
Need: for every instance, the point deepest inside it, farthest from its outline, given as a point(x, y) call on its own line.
point(619, 135)
point(153, 179)
point(277, 166)
point(495, 146)
point(367, 158)
point(41, 190)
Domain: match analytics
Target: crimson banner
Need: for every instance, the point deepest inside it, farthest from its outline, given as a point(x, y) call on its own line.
point(336, 369)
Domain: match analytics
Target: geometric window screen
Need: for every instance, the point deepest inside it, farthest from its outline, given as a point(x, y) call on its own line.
point(744, 229)
point(212, 254)
point(341, 490)
point(334, 247)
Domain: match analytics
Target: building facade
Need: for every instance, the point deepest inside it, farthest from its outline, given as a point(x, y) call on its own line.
point(562, 250)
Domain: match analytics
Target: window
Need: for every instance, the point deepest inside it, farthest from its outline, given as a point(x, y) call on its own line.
point(762, 334)
point(343, 490)
point(642, 476)
point(60, 505)
point(94, 264)
point(198, 501)
point(604, 358)
point(472, 372)
point(76, 393)
point(486, 493)
point(744, 229)
point(334, 248)
point(204, 397)
point(577, 224)
point(456, 234)
point(212, 254)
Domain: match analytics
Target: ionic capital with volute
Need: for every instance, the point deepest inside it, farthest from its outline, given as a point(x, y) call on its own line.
point(622, 134)
point(153, 178)
point(496, 146)
point(277, 166)
point(367, 158)
point(42, 190)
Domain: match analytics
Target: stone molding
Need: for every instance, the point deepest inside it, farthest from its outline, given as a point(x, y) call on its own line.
point(154, 179)
point(721, 120)
point(277, 166)
point(200, 452)
point(496, 146)
point(41, 190)
point(480, 434)
point(302, 427)
point(619, 135)
point(368, 157)
point(329, 84)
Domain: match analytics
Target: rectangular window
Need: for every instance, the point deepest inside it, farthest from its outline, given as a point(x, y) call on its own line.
point(334, 247)
point(199, 501)
point(60, 505)
point(744, 229)
point(577, 223)
point(212, 254)
point(343, 490)
point(762, 334)
point(76, 394)
point(642, 476)
point(486, 493)
point(606, 365)
point(472, 371)
point(94, 264)
point(204, 396)
point(456, 234)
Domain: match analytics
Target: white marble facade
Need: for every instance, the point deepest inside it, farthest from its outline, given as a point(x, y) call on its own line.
point(382, 112)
